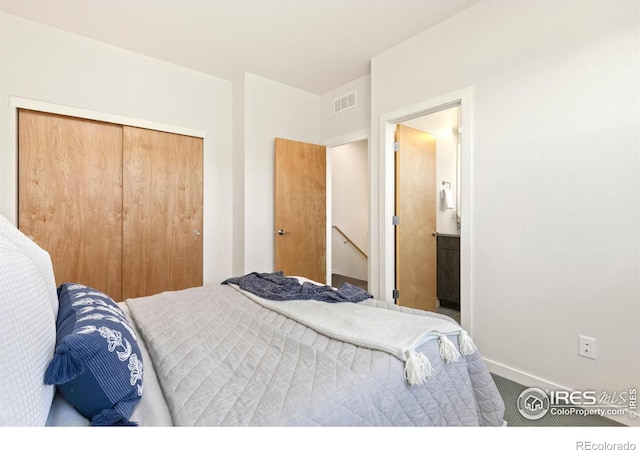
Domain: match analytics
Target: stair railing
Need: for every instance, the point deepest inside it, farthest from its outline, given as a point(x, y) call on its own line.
point(350, 241)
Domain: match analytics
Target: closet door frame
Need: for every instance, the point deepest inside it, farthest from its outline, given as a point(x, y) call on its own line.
point(17, 103)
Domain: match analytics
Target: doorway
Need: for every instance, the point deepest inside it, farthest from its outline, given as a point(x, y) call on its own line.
point(427, 232)
point(349, 212)
point(463, 194)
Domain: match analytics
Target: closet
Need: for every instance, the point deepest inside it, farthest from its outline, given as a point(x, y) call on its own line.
point(118, 208)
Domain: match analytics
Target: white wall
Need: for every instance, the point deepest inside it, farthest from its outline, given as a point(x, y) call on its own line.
point(61, 69)
point(352, 121)
point(238, 175)
point(555, 229)
point(271, 110)
point(350, 208)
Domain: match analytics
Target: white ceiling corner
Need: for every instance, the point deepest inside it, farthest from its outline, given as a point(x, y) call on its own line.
point(314, 45)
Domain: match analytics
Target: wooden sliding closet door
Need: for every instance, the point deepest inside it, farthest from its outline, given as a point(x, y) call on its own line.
point(162, 216)
point(70, 196)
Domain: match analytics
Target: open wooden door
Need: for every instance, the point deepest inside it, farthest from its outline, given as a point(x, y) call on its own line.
point(416, 197)
point(300, 217)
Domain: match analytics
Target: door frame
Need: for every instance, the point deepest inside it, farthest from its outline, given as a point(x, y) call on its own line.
point(462, 98)
point(360, 135)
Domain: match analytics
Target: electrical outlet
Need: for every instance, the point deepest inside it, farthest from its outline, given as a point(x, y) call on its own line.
point(587, 347)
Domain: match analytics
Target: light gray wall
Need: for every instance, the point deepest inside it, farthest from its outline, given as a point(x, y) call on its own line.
point(555, 234)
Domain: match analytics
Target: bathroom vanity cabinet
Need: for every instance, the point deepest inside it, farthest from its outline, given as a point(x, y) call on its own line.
point(448, 277)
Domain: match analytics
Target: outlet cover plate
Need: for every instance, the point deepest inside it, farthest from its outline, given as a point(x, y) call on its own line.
point(587, 347)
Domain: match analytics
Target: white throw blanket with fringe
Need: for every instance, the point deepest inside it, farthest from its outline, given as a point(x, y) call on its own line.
point(394, 332)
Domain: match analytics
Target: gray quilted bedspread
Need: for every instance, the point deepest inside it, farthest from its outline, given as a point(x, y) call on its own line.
point(224, 360)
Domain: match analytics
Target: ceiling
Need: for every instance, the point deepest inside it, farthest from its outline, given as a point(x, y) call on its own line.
point(314, 45)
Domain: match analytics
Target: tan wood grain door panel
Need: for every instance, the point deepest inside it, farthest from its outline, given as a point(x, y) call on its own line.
point(416, 208)
point(162, 216)
point(70, 196)
point(300, 209)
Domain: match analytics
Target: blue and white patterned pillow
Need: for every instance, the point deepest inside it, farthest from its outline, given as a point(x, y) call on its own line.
point(97, 365)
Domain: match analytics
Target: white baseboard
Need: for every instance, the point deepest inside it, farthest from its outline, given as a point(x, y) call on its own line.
point(529, 380)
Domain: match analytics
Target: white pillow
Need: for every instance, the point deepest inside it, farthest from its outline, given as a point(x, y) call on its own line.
point(28, 312)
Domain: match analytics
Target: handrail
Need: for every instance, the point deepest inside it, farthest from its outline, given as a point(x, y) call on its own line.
point(348, 239)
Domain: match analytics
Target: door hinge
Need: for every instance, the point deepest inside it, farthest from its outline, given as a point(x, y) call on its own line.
point(396, 294)
point(396, 146)
point(395, 220)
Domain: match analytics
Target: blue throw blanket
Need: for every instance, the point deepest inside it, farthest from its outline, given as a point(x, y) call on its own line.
point(275, 286)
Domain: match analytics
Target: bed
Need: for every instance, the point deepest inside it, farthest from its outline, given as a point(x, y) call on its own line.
point(223, 355)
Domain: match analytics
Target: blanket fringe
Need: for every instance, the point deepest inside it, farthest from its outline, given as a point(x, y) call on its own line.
point(448, 351)
point(417, 369)
point(467, 347)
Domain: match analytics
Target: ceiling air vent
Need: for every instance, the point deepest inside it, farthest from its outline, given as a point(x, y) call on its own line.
point(345, 102)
